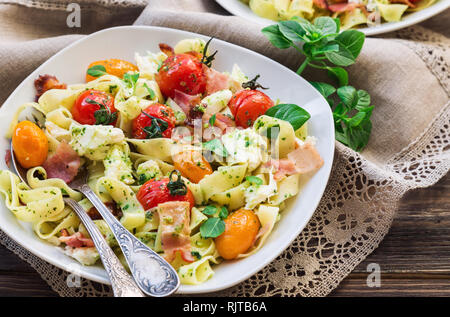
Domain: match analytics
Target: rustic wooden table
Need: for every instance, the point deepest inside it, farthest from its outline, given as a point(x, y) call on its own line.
point(414, 257)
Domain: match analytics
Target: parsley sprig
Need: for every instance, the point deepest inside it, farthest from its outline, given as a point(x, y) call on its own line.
point(102, 116)
point(157, 127)
point(326, 49)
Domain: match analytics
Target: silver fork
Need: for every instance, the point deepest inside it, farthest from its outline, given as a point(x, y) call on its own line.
point(122, 283)
point(154, 275)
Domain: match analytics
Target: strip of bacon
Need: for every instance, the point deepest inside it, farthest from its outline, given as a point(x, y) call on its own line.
point(215, 81)
point(113, 208)
point(185, 101)
point(346, 7)
point(306, 158)
point(175, 232)
point(47, 82)
point(77, 240)
point(8, 157)
point(63, 164)
point(321, 4)
point(409, 3)
point(166, 49)
point(281, 168)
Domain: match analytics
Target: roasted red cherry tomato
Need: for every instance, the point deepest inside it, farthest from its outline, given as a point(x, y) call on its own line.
point(248, 105)
point(183, 72)
point(155, 192)
point(156, 121)
point(94, 107)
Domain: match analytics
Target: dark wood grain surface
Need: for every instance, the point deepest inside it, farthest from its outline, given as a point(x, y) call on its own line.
point(414, 257)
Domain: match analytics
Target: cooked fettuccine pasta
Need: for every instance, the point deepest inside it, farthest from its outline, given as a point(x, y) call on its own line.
point(352, 13)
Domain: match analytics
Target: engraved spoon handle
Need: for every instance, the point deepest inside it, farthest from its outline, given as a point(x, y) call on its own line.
point(122, 283)
point(152, 273)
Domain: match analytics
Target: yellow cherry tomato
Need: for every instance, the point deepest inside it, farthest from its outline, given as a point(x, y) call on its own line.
point(192, 165)
point(241, 228)
point(30, 144)
point(113, 66)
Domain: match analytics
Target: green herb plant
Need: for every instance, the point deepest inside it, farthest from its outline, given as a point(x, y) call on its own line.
point(326, 49)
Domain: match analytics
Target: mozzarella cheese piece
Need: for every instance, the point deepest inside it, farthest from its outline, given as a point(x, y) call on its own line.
point(245, 146)
point(94, 141)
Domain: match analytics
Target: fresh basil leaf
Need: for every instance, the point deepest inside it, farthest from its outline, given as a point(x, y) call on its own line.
point(216, 146)
point(130, 79)
point(338, 24)
point(363, 99)
point(212, 120)
point(292, 30)
point(339, 74)
point(325, 89)
point(150, 91)
point(326, 25)
point(223, 212)
point(357, 119)
point(358, 137)
point(343, 57)
point(353, 40)
point(210, 210)
point(331, 47)
point(196, 254)
point(97, 71)
point(295, 115)
point(212, 228)
point(275, 37)
point(348, 95)
point(255, 180)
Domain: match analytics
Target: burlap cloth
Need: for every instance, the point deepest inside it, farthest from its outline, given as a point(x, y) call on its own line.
point(406, 72)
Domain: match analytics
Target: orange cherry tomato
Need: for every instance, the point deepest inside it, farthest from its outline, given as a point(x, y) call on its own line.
point(113, 66)
point(192, 165)
point(241, 228)
point(30, 144)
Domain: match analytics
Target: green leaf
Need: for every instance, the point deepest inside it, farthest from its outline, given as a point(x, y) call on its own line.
point(343, 57)
point(216, 146)
point(358, 137)
point(331, 47)
point(363, 99)
point(325, 89)
point(223, 212)
point(292, 30)
point(97, 71)
point(275, 37)
point(339, 74)
point(130, 79)
point(325, 25)
point(212, 228)
point(212, 120)
point(210, 210)
point(353, 40)
point(150, 91)
point(348, 95)
point(254, 180)
point(295, 115)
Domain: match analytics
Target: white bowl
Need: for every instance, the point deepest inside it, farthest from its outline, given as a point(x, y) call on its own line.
point(69, 66)
point(239, 8)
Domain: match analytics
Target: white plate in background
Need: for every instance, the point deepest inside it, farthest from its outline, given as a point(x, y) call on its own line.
point(239, 8)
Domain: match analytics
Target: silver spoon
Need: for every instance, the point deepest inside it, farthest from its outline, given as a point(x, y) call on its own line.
point(154, 275)
point(122, 283)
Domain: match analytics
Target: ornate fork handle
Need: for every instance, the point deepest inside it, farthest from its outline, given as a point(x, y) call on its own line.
point(122, 283)
point(152, 273)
